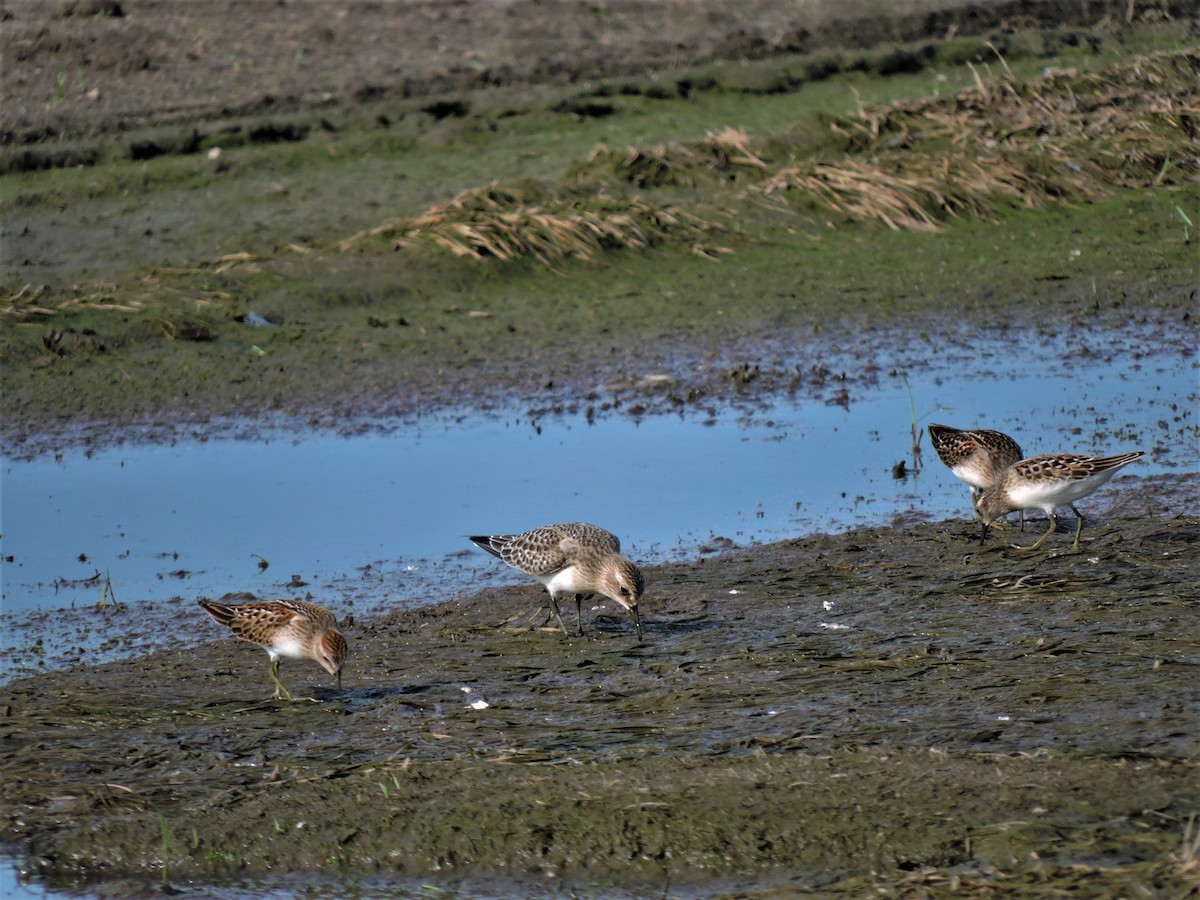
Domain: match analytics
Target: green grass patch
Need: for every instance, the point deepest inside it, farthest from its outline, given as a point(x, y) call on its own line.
point(304, 271)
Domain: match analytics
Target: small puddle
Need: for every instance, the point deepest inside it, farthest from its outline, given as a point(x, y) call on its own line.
point(157, 524)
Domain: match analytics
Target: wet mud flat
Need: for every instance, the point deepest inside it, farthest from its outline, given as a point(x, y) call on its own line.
point(893, 708)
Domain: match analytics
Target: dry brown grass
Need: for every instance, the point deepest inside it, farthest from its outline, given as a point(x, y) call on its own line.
point(908, 165)
point(677, 164)
point(1066, 136)
point(495, 222)
point(916, 196)
point(1145, 107)
point(1187, 858)
point(39, 301)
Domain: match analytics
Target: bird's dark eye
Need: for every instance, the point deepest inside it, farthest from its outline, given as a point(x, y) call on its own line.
point(624, 592)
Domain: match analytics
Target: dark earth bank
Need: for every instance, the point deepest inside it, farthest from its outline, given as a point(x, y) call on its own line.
point(87, 68)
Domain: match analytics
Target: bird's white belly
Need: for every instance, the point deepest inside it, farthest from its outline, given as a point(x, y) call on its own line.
point(564, 581)
point(1046, 495)
point(972, 476)
point(286, 646)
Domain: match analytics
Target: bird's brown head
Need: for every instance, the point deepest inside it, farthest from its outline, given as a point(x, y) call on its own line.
point(624, 583)
point(331, 654)
point(991, 504)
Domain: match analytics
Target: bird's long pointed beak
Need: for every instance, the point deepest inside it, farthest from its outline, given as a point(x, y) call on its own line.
point(983, 533)
point(637, 621)
point(339, 680)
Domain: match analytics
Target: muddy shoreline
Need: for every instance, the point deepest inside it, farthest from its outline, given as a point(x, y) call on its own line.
point(746, 370)
point(865, 706)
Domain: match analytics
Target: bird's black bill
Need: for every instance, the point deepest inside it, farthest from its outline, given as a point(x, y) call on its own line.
point(983, 533)
point(637, 621)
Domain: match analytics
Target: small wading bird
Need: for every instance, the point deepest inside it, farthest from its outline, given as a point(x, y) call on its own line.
point(977, 457)
point(288, 628)
point(1046, 482)
point(572, 558)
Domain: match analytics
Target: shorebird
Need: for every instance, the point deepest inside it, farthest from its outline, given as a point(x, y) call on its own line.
point(977, 457)
point(290, 628)
point(572, 558)
point(1046, 482)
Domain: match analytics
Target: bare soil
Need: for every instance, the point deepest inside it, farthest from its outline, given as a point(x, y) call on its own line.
point(147, 62)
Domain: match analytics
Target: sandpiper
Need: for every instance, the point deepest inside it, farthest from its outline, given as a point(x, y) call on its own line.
point(1046, 482)
point(289, 628)
point(572, 558)
point(978, 457)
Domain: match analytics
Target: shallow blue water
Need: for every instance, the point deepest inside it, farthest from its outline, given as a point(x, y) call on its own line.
point(194, 519)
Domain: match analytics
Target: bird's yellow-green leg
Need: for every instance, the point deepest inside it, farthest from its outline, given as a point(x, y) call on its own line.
point(1078, 527)
point(280, 691)
point(1038, 543)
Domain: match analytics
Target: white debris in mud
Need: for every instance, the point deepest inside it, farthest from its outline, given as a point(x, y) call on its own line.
point(478, 702)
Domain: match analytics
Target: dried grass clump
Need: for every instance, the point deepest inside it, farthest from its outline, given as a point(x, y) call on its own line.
point(918, 194)
point(492, 222)
point(1124, 121)
point(730, 148)
point(908, 165)
point(678, 164)
point(1187, 857)
point(39, 302)
point(1065, 136)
